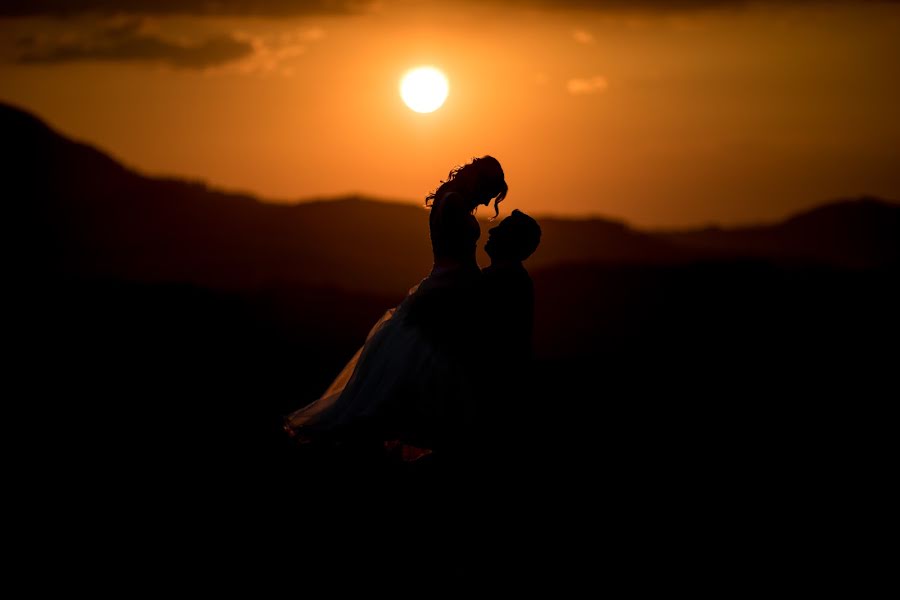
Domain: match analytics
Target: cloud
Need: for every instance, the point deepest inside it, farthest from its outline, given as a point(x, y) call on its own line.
point(590, 85)
point(272, 53)
point(248, 8)
point(129, 41)
point(294, 8)
point(582, 37)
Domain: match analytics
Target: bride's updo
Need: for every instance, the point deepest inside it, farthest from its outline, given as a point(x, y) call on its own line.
point(483, 177)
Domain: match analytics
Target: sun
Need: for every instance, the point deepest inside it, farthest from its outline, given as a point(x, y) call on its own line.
point(424, 89)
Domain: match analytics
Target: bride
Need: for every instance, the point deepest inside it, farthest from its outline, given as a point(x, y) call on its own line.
point(412, 378)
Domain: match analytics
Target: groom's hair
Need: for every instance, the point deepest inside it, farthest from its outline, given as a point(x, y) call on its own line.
point(527, 235)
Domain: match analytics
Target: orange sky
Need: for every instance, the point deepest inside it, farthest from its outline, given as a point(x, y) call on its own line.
point(736, 113)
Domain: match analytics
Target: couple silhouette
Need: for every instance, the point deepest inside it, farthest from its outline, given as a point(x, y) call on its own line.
point(433, 376)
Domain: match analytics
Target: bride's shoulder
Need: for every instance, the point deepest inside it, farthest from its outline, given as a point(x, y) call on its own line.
point(451, 202)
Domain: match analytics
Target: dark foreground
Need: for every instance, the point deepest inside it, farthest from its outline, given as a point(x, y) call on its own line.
point(707, 404)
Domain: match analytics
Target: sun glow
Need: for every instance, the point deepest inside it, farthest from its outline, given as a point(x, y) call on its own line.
point(424, 89)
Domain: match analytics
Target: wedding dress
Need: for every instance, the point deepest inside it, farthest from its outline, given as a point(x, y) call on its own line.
point(414, 368)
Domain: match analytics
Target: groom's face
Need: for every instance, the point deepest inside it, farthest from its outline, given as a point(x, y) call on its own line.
point(497, 237)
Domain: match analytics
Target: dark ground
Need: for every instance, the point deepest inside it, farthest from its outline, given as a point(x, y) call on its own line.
point(699, 392)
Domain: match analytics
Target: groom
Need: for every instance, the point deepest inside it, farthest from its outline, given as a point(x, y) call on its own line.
point(509, 288)
point(499, 410)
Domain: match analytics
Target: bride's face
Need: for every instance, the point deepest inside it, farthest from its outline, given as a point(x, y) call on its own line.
point(482, 196)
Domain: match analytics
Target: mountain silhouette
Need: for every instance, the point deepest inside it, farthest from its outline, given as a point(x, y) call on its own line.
point(89, 216)
point(86, 215)
point(852, 233)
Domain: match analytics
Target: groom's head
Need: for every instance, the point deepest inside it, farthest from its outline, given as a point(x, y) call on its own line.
point(515, 238)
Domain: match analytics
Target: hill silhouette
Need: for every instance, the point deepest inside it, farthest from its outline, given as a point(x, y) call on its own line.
point(856, 233)
point(166, 327)
point(90, 216)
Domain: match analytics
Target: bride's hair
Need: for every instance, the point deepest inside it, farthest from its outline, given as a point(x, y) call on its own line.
point(483, 174)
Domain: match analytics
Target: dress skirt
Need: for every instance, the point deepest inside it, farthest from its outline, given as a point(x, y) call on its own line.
point(408, 375)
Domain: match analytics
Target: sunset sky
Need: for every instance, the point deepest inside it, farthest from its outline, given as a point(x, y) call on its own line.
point(663, 114)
